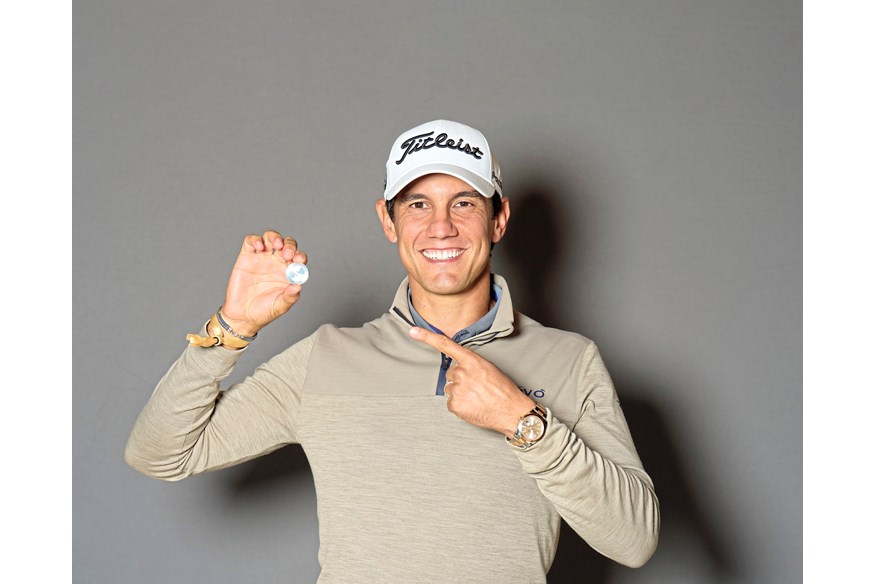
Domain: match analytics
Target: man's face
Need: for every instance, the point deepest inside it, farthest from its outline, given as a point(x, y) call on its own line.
point(444, 230)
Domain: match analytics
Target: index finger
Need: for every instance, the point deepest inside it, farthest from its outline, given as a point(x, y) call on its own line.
point(442, 343)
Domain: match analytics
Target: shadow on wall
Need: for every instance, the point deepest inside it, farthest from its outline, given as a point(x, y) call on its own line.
point(537, 242)
point(281, 468)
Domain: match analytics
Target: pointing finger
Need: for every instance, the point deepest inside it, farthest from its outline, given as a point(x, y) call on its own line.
point(442, 343)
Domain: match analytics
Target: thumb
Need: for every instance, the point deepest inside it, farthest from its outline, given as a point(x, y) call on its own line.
point(286, 299)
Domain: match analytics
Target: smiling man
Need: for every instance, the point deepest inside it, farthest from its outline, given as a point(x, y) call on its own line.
point(447, 438)
point(444, 231)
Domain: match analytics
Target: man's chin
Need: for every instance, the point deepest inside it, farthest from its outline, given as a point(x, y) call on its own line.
point(444, 286)
point(447, 284)
point(437, 283)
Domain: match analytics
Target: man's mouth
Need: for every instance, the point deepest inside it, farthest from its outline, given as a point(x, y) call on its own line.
point(441, 254)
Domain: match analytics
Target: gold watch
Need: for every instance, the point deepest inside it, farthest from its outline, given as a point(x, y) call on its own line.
point(530, 428)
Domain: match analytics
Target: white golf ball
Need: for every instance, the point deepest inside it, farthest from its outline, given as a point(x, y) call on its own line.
point(297, 273)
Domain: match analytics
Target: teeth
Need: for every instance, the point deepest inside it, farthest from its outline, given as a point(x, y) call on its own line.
point(441, 254)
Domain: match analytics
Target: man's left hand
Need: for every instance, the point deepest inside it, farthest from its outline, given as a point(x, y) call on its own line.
point(477, 391)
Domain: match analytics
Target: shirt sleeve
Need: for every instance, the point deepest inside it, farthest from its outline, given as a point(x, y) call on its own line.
point(592, 473)
point(190, 426)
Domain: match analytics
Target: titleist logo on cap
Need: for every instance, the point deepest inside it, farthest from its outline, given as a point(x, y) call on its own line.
point(425, 141)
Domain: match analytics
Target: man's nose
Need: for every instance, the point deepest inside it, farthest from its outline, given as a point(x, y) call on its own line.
point(441, 224)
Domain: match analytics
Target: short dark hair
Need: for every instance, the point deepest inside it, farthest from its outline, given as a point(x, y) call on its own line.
point(496, 206)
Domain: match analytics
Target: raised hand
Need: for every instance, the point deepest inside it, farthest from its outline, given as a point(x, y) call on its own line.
point(477, 391)
point(258, 291)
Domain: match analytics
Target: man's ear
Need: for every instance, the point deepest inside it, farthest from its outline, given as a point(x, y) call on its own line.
point(500, 221)
point(386, 221)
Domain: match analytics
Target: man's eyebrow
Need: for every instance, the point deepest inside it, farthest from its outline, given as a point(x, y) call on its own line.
point(404, 197)
point(418, 196)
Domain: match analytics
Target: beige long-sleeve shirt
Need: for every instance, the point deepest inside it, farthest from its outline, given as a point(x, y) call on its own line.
point(406, 491)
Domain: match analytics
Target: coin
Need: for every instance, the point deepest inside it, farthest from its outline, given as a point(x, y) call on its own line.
point(297, 273)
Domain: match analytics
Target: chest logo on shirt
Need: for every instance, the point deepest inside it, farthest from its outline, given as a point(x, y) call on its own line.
point(539, 393)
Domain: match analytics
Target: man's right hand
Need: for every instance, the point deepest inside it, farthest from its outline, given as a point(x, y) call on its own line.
point(258, 291)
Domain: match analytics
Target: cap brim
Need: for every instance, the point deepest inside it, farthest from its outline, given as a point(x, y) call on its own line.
point(479, 183)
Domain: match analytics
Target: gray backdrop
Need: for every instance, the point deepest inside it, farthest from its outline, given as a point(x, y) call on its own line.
point(652, 154)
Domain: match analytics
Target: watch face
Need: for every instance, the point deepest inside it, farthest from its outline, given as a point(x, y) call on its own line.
point(531, 428)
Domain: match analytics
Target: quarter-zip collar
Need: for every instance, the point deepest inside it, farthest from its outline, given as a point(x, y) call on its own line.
point(502, 322)
point(482, 324)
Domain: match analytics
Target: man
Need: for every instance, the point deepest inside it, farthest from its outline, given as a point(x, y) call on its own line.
point(431, 459)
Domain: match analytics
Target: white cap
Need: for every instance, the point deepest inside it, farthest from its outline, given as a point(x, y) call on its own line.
point(443, 147)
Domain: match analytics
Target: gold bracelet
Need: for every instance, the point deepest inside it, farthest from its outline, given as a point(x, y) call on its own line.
point(216, 336)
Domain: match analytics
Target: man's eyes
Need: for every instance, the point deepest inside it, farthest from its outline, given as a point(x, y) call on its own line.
point(463, 203)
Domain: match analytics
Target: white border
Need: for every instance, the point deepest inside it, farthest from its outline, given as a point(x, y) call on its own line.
point(838, 289)
point(36, 293)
